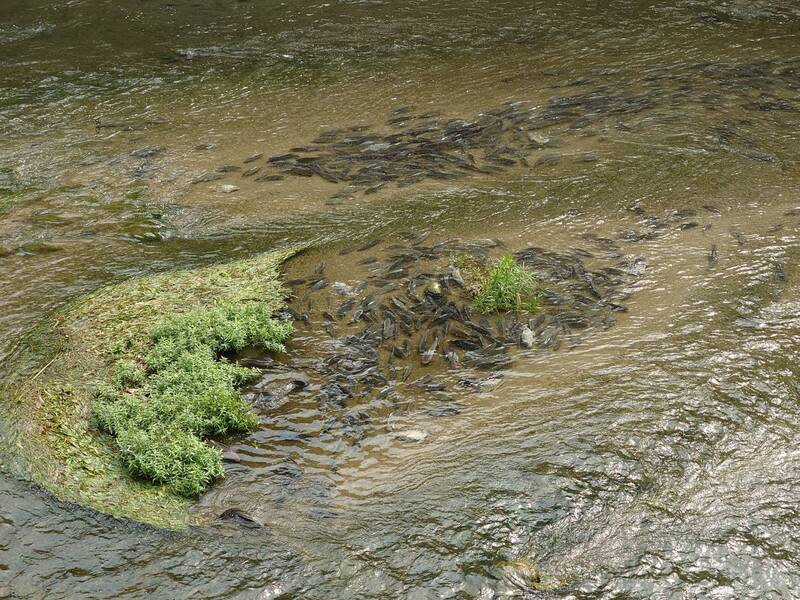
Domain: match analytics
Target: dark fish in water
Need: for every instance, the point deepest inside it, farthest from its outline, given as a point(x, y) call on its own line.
point(712, 209)
point(427, 356)
point(300, 171)
point(479, 328)
point(780, 273)
point(320, 268)
point(295, 316)
point(759, 156)
point(389, 328)
point(423, 342)
point(228, 169)
point(396, 274)
point(239, 517)
point(550, 337)
point(281, 158)
point(319, 285)
point(493, 359)
point(445, 410)
point(375, 188)
point(401, 351)
point(207, 177)
point(147, 152)
point(548, 160)
point(269, 178)
point(688, 225)
point(259, 363)
point(253, 158)
point(251, 171)
point(402, 110)
point(328, 316)
point(368, 245)
point(452, 359)
point(345, 307)
point(713, 255)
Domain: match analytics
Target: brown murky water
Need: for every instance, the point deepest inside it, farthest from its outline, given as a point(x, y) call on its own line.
point(652, 458)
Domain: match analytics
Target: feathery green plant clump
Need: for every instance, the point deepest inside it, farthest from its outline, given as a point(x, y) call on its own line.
point(184, 390)
point(507, 286)
point(106, 336)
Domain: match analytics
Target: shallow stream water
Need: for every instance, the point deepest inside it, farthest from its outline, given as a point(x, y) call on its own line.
point(655, 458)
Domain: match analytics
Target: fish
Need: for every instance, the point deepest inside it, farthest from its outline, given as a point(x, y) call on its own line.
point(389, 328)
point(452, 359)
point(345, 307)
point(428, 355)
point(713, 255)
point(239, 517)
point(367, 245)
point(206, 177)
point(282, 158)
point(401, 351)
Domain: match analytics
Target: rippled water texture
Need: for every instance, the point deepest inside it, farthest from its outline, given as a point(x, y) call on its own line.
point(655, 458)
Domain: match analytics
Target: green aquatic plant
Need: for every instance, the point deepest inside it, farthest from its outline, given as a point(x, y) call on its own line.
point(507, 286)
point(186, 391)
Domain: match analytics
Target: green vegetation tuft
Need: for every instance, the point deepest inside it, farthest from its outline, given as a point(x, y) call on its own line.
point(59, 415)
point(187, 391)
point(507, 286)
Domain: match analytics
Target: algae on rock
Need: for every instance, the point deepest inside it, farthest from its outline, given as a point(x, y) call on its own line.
point(138, 337)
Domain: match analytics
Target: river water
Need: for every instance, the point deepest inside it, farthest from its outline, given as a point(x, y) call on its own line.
point(657, 458)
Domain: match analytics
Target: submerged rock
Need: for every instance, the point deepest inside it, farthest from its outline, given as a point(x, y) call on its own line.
point(411, 435)
point(527, 338)
point(231, 456)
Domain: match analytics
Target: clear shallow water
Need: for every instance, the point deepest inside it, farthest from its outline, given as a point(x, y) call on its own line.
point(656, 459)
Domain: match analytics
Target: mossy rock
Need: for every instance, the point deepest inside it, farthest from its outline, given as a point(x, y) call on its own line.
point(104, 337)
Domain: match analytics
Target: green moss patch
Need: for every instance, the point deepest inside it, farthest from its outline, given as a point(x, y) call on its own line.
point(132, 445)
point(505, 286)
